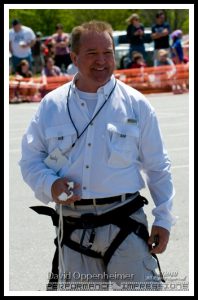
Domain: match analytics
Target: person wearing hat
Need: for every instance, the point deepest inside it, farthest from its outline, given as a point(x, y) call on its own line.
point(135, 34)
point(37, 54)
point(21, 40)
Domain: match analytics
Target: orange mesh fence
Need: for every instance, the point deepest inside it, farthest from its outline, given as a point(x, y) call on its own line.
point(146, 80)
point(155, 79)
point(33, 89)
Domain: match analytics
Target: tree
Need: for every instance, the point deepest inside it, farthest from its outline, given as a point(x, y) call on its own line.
point(45, 20)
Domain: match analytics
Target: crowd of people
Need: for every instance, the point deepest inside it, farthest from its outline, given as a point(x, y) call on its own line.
point(31, 56)
point(161, 33)
point(50, 58)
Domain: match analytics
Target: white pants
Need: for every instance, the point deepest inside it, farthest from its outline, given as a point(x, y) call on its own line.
point(130, 263)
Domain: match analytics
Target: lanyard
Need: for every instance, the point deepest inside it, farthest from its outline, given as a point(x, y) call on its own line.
point(68, 109)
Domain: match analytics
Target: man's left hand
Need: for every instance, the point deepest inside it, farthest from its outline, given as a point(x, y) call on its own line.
point(162, 235)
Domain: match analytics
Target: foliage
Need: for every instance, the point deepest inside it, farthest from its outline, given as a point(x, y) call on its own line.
point(45, 20)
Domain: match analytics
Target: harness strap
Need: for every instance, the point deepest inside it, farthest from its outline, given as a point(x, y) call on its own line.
point(127, 227)
point(79, 248)
point(53, 281)
point(158, 264)
point(48, 211)
point(119, 216)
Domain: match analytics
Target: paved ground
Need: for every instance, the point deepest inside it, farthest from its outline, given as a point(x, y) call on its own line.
point(31, 236)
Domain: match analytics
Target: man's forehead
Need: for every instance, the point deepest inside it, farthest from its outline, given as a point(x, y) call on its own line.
point(91, 40)
point(95, 35)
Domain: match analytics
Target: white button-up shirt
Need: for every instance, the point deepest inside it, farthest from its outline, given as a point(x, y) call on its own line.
point(107, 159)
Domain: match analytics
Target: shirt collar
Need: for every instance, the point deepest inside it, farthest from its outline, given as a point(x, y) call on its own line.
point(105, 89)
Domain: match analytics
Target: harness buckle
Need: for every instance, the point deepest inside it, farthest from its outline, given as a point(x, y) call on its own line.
point(87, 221)
point(145, 201)
point(137, 231)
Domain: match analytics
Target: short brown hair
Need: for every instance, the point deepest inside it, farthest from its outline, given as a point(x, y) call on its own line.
point(97, 26)
point(24, 62)
point(59, 26)
point(137, 56)
point(160, 13)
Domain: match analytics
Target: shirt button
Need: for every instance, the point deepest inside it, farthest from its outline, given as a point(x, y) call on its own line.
point(84, 188)
point(87, 167)
point(91, 123)
point(82, 104)
point(89, 144)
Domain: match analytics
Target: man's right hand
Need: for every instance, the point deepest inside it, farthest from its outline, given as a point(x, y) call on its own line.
point(60, 186)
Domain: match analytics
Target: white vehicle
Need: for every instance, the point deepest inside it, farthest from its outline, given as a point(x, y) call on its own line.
point(122, 46)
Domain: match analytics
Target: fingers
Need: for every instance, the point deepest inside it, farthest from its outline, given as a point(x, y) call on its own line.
point(161, 247)
point(61, 186)
point(158, 239)
point(71, 200)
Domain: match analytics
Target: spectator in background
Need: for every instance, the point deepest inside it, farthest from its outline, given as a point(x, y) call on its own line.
point(164, 60)
point(23, 69)
point(160, 35)
point(37, 54)
point(50, 70)
point(178, 56)
point(137, 61)
point(26, 89)
point(61, 44)
point(21, 39)
point(176, 47)
point(135, 34)
point(49, 50)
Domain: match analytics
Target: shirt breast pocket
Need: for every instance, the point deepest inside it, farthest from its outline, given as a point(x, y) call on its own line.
point(123, 144)
point(61, 137)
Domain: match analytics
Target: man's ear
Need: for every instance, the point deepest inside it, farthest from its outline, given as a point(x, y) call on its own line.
point(73, 56)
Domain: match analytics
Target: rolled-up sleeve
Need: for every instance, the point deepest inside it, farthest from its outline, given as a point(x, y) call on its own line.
point(156, 165)
point(34, 171)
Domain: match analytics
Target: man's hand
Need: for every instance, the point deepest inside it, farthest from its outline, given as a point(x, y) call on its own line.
point(60, 186)
point(162, 236)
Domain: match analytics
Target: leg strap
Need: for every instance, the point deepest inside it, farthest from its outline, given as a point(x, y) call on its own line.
point(126, 228)
point(118, 216)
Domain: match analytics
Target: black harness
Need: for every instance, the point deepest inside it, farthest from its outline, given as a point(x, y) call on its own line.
point(119, 216)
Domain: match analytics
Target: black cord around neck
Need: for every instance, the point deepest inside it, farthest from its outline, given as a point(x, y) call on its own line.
point(68, 109)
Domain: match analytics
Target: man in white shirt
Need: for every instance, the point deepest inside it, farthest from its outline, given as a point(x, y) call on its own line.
point(21, 39)
point(99, 133)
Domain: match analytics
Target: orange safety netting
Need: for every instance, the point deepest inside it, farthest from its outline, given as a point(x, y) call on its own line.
point(33, 89)
point(146, 80)
point(155, 79)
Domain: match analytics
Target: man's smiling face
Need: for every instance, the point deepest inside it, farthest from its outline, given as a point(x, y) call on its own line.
point(95, 60)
